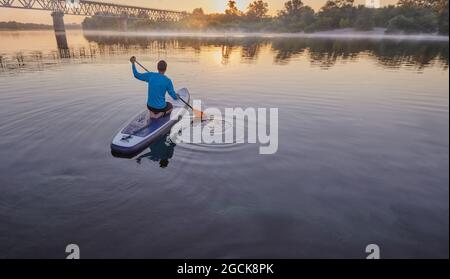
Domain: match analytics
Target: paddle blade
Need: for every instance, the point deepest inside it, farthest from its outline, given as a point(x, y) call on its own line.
point(198, 114)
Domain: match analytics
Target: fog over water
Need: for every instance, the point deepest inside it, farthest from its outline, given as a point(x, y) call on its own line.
point(377, 34)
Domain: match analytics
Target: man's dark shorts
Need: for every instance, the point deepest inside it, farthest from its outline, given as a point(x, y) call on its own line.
point(165, 110)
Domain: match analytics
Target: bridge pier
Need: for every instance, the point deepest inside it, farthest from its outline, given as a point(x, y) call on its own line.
point(123, 23)
point(60, 31)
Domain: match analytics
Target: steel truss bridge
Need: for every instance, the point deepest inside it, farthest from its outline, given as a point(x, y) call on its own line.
point(93, 8)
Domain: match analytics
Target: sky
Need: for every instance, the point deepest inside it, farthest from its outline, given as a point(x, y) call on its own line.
point(209, 6)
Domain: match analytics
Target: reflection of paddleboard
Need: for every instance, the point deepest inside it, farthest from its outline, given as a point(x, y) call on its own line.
point(143, 130)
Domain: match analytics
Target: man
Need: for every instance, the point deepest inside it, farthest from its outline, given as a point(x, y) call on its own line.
point(158, 85)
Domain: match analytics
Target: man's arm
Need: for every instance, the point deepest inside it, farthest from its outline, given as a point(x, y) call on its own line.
point(139, 76)
point(171, 91)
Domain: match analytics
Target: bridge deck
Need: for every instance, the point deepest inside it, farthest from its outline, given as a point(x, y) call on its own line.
point(91, 8)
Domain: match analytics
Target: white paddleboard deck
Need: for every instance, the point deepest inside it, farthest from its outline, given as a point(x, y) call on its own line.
point(143, 130)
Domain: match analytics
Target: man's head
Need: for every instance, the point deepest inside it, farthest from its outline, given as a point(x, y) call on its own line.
point(162, 66)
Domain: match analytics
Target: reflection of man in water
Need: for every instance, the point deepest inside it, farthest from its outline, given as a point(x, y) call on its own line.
point(160, 151)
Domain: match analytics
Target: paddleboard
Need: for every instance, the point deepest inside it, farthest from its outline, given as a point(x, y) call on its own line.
point(143, 130)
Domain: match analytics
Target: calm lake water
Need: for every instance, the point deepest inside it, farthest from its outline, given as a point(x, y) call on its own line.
point(363, 149)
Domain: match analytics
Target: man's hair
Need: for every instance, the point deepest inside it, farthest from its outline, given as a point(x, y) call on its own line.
point(162, 66)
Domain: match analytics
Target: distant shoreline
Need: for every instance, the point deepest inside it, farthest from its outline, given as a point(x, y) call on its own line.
point(18, 26)
point(342, 33)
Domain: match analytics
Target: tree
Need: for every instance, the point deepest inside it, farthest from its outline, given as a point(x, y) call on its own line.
point(441, 6)
point(197, 20)
point(344, 3)
point(296, 16)
point(337, 4)
point(258, 9)
point(443, 22)
point(401, 23)
point(436, 5)
point(307, 15)
point(336, 14)
point(365, 19)
point(292, 8)
point(232, 9)
point(198, 12)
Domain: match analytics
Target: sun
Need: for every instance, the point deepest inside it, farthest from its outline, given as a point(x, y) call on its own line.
point(221, 5)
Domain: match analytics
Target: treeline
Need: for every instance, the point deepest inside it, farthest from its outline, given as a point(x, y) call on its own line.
point(408, 16)
point(13, 25)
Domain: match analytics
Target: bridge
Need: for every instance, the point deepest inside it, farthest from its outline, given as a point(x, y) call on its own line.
point(59, 8)
point(94, 8)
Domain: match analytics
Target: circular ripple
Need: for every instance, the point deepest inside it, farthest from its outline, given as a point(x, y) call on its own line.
point(216, 127)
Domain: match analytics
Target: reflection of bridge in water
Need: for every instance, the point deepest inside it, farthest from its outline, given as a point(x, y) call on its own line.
point(59, 8)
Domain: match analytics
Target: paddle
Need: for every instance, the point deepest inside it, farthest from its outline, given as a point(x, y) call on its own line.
point(186, 103)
